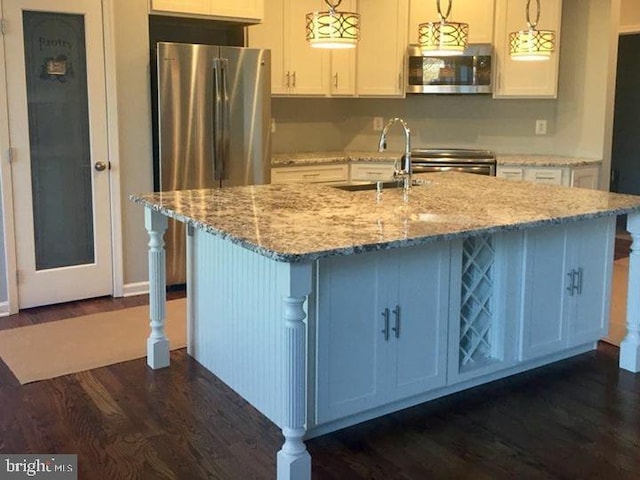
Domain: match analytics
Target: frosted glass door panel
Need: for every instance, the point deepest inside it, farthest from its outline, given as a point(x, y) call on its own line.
point(59, 140)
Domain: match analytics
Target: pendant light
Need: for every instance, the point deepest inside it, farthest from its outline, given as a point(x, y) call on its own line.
point(532, 44)
point(333, 29)
point(443, 38)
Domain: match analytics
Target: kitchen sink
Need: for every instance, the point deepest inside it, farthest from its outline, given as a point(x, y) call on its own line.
point(356, 187)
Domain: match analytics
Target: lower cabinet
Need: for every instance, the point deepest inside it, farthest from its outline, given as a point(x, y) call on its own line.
point(567, 285)
point(381, 328)
point(582, 177)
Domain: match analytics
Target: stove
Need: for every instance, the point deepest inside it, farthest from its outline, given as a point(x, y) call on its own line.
point(482, 162)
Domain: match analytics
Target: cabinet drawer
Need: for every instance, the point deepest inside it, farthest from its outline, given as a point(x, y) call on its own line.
point(371, 171)
point(510, 173)
point(550, 176)
point(311, 174)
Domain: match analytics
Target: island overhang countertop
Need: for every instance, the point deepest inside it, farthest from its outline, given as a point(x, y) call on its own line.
point(303, 222)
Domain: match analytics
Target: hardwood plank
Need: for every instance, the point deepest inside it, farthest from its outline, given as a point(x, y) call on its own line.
point(579, 418)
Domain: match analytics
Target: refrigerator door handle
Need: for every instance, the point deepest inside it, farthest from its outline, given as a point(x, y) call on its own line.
point(217, 121)
point(226, 118)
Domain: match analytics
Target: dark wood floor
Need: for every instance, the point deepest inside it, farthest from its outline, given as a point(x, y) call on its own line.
point(577, 419)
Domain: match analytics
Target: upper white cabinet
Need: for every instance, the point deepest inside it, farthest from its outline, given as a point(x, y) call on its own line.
point(296, 68)
point(569, 266)
point(477, 13)
point(374, 68)
point(382, 47)
point(249, 11)
point(381, 328)
point(518, 79)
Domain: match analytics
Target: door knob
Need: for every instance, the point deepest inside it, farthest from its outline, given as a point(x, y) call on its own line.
point(100, 166)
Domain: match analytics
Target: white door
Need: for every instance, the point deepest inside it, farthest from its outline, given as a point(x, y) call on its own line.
point(58, 132)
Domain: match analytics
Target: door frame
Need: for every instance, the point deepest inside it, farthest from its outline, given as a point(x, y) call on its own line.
point(6, 184)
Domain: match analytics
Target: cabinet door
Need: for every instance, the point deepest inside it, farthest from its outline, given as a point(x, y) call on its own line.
point(307, 67)
point(270, 34)
point(587, 177)
point(371, 171)
point(311, 174)
point(477, 13)
point(343, 72)
point(382, 46)
point(592, 256)
point(418, 298)
point(240, 9)
point(544, 300)
point(351, 348)
point(525, 79)
point(198, 7)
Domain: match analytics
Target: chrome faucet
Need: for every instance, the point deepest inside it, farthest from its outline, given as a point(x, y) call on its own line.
point(405, 172)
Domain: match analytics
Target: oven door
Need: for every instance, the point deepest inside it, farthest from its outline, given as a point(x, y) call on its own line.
point(427, 167)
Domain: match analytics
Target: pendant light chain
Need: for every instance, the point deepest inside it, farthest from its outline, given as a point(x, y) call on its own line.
point(332, 6)
point(529, 22)
point(444, 17)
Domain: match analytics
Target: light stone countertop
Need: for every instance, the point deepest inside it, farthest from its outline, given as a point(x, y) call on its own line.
point(511, 159)
point(559, 161)
point(304, 222)
point(321, 158)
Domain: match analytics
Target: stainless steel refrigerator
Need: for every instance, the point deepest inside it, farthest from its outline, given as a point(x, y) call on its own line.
point(214, 110)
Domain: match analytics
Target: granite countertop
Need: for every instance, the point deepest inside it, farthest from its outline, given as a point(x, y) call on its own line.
point(514, 159)
point(304, 222)
point(559, 161)
point(320, 158)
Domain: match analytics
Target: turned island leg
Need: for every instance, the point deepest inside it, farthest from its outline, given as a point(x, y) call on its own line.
point(630, 346)
point(157, 343)
point(294, 461)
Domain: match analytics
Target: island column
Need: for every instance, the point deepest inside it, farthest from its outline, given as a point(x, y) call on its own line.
point(630, 346)
point(157, 343)
point(293, 460)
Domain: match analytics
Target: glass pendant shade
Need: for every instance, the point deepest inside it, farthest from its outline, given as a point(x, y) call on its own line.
point(532, 44)
point(333, 29)
point(443, 38)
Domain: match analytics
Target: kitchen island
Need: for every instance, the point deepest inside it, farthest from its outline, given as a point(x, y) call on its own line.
point(324, 308)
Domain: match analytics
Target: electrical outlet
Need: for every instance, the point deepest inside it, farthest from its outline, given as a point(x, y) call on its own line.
point(273, 125)
point(378, 124)
point(541, 127)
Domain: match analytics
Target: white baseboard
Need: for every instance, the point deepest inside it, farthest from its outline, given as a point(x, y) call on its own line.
point(138, 288)
point(4, 309)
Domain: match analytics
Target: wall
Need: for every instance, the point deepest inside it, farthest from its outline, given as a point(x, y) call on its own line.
point(630, 15)
point(134, 118)
point(575, 120)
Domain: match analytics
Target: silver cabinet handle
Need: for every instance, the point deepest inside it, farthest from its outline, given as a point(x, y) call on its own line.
point(396, 314)
point(572, 281)
point(293, 79)
point(100, 166)
point(335, 80)
point(385, 330)
point(579, 274)
point(288, 79)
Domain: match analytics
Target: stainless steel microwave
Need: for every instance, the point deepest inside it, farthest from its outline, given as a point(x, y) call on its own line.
point(459, 74)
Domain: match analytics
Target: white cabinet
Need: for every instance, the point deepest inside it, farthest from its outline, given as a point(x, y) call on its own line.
point(296, 68)
point(485, 304)
point(334, 173)
point(567, 273)
point(585, 177)
point(518, 79)
point(248, 11)
point(371, 171)
point(477, 13)
point(382, 48)
point(381, 328)
point(582, 177)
